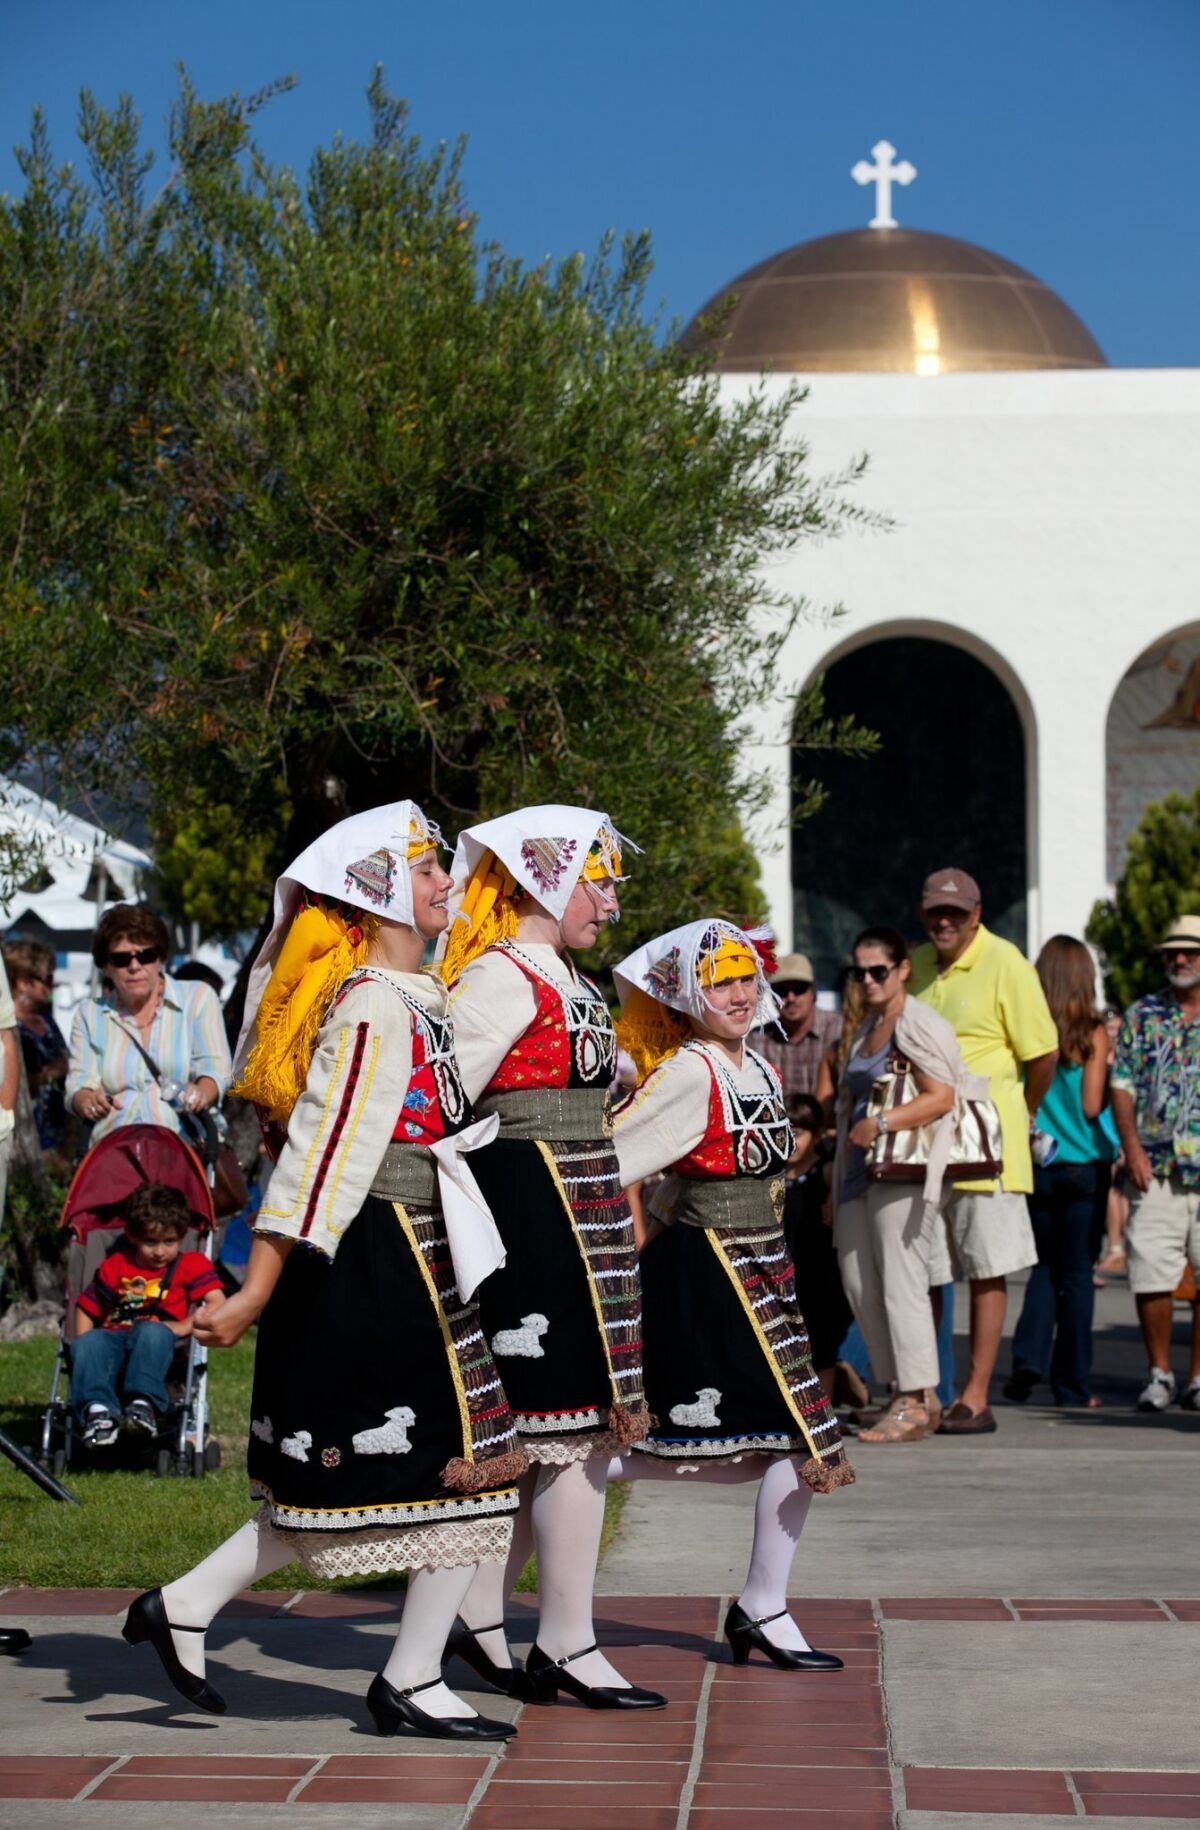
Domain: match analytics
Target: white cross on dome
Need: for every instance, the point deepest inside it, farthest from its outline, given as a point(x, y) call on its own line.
point(883, 174)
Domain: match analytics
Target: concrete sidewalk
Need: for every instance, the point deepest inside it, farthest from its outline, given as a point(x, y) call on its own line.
point(1018, 1615)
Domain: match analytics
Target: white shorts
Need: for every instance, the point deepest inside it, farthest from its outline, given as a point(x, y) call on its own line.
point(981, 1235)
point(1163, 1235)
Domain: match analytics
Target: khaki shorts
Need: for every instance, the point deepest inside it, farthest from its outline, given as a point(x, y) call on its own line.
point(978, 1235)
point(1162, 1236)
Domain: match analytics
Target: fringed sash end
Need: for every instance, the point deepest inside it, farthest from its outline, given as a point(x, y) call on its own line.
point(464, 1476)
point(825, 1476)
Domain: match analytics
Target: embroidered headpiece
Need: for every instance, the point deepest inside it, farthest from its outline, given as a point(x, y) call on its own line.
point(676, 972)
point(541, 852)
point(316, 942)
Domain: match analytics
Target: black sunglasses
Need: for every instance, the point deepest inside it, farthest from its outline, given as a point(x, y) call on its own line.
point(876, 974)
point(144, 956)
point(792, 988)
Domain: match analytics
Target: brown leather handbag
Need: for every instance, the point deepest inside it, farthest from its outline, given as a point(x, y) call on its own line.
point(976, 1154)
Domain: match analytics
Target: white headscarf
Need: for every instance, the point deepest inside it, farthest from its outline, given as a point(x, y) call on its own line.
point(668, 969)
point(362, 861)
point(545, 848)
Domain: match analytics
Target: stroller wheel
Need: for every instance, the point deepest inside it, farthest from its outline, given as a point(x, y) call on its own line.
point(162, 1463)
point(58, 1463)
point(212, 1454)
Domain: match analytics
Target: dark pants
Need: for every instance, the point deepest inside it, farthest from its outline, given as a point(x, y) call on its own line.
point(1067, 1211)
point(132, 1361)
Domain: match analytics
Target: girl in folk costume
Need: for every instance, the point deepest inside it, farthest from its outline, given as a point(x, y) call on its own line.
point(729, 1377)
point(536, 1048)
point(380, 1436)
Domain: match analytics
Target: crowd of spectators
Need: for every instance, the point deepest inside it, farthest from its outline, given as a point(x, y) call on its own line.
point(1099, 1120)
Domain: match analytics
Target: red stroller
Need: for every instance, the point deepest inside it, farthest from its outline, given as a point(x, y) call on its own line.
point(107, 1176)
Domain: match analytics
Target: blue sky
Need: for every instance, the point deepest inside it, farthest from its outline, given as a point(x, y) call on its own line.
point(1059, 133)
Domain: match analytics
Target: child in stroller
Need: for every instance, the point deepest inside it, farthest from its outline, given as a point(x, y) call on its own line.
point(131, 1318)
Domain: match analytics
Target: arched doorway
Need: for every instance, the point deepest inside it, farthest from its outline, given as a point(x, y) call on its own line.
point(947, 787)
point(1152, 738)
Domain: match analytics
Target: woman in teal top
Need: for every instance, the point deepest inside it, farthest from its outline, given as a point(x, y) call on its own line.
point(1067, 1206)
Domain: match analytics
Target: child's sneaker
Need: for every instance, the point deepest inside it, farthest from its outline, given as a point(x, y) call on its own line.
point(139, 1418)
point(99, 1428)
point(1190, 1399)
point(1158, 1392)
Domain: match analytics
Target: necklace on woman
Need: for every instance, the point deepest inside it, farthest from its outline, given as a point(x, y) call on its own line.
point(144, 1018)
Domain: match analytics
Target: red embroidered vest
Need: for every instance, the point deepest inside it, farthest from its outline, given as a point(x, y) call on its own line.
point(747, 1134)
point(571, 1041)
point(435, 1105)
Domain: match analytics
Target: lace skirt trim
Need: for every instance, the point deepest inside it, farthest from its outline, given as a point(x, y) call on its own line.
point(373, 1553)
point(560, 1451)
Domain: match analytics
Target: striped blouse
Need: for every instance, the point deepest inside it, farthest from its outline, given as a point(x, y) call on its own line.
point(186, 1039)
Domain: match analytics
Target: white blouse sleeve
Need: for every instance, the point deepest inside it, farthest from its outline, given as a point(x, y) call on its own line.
point(344, 1119)
point(664, 1118)
point(491, 1007)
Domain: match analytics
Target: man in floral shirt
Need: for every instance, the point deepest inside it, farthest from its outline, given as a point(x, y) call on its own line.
point(1156, 1105)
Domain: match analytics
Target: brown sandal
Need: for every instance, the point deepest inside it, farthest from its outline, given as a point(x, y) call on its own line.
point(905, 1422)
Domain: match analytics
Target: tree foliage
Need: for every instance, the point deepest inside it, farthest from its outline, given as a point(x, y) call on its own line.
point(1161, 881)
point(310, 497)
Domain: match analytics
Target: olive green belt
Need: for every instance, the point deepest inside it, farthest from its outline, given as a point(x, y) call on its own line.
point(554, 1114)
point(407, 1173)
point(745, 1204)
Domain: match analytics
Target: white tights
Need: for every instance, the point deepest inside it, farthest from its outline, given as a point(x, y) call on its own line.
point(779, 1514)
point(561, 1517)
point(433, 1599)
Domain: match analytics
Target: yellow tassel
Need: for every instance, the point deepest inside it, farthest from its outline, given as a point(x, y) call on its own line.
point(321, 950)
point(488, 913)
point(649, 1031)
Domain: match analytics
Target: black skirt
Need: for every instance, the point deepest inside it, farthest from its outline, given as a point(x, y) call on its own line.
point(362, 1393)
point(570, 1269)
point(728, 1368)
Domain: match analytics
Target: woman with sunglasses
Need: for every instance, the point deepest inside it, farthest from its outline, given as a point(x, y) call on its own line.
point(148, 1043)
point(883, 1229)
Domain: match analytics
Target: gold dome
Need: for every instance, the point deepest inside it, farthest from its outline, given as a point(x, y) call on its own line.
point(899, 301)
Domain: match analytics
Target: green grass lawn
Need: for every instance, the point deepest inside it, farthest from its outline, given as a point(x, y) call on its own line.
point(133, 1531)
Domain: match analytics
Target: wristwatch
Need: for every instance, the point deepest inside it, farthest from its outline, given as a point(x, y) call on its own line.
point(881, 1124)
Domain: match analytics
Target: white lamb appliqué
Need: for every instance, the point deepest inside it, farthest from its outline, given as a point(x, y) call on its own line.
point(390, 1438)
point(297, 1446)
point(262, 1428)
point(703, 1412)
point(524, 1341)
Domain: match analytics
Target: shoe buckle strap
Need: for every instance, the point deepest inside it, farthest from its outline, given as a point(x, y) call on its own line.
point(765, 1619)
point(572, 1656)
point(415, 1689)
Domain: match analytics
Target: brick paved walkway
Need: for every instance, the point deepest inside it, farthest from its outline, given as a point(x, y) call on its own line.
point(736, 1749)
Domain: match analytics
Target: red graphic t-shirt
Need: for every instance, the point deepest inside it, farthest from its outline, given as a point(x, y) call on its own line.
point(124, 1292)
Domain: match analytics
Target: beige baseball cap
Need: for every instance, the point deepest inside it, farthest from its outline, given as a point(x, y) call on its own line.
point(793, 967)
point(950, 889)
point(1184, 931)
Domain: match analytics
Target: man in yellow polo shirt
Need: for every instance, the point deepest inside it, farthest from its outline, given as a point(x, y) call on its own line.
point(991, 994)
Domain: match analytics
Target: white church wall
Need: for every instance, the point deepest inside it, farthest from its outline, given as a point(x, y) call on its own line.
point(1050, 521)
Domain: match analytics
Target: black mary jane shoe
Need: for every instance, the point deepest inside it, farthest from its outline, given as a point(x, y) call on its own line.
point(391, 1710)
point(509, 1680)
point(14, 1640)
point(147, 1620)
point(548, 1677)
point(744, 1633)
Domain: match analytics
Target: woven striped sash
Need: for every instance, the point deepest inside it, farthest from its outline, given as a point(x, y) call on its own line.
point(744, 1204)
point(557, 1115)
